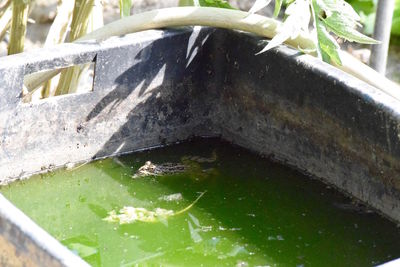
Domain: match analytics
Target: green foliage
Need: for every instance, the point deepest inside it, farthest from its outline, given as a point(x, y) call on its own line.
point(340, 18)
point(327, 45)
point(329, 16)
point(278, 6)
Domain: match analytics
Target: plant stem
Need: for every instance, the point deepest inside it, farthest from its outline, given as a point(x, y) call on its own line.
point(191, 205)
point(221, 18)
point(69, 78)
point(56, 35)
point(18, 26)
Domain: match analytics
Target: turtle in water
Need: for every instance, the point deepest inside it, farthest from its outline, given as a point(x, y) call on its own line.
point(188, 163)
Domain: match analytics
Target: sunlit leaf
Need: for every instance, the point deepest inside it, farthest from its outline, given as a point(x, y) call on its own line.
point(340, 18)
point(326, 46)
point(298, 18)
point(278, 6)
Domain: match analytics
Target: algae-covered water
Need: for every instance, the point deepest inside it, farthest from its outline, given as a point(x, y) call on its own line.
point(253, 213)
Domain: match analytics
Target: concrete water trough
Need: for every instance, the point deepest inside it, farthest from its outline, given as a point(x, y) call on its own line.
point(159, 87)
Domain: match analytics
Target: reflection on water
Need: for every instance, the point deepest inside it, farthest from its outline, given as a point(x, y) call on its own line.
point(254, 213)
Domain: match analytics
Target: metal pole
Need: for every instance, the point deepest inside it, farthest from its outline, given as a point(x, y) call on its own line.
point(383, 24)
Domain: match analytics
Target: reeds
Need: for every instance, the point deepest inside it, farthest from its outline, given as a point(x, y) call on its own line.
point(20, 10)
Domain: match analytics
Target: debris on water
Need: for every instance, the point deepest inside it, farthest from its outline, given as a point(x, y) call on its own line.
point(69, 166)
point(194, 234)
point(131, 214)
point(242, 264)
point(128, 214)
point(278, 237)
point(206, 228)
point(238, 250)
point(172, 197)
point(74, 166)
point(194, 219)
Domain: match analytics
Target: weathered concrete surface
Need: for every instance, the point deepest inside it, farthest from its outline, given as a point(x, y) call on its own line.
point(157, 87)
point(144, 94)
point(313, 117)
point(23, 243)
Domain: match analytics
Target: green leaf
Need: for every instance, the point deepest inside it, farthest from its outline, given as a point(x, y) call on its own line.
point(327, 46)
point(278, 6)
point(125, 8)
point(340, 18)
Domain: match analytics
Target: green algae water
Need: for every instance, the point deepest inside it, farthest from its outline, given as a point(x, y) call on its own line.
point(252, 213)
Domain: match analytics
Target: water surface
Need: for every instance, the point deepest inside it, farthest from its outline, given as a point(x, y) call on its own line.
point(254, 213)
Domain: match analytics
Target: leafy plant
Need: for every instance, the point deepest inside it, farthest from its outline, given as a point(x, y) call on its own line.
point(329, 16)
point(334, 16)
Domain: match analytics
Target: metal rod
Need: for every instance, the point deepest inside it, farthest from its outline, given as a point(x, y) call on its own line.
point(383, 25)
